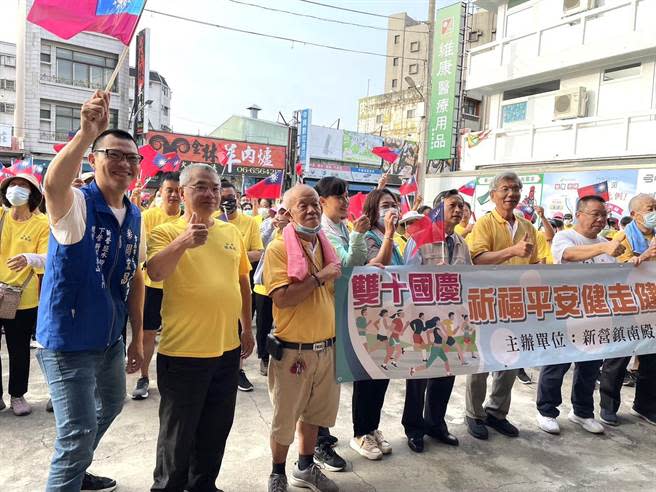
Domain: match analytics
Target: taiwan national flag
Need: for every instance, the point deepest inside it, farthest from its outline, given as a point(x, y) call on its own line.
point(429, 229)
point(409, 187)
point(66, 18)
point(386, 153)
point(270, 188)
point(356, 204)
point(468, 188)
point(169, 162)
point(599, 189)
point(22, 166)
point(154, 162)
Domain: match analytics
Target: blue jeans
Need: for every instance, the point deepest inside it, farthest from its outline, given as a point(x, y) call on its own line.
point(87, 390)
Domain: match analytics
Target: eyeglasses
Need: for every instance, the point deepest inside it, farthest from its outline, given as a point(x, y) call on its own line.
point(202, 189)
point(119, 155)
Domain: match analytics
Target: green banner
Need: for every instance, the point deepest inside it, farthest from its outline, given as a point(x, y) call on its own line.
point(444, 76)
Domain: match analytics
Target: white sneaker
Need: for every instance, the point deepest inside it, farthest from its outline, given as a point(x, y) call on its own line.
point(548, 424)
point(591, 425)
point(383, 444)
point(366, 446)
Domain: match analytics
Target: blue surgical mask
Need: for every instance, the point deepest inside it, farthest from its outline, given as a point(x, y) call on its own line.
point(307, 230)
point(650, 220)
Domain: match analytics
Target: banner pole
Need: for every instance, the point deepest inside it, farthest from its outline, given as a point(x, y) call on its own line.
point(121, 59)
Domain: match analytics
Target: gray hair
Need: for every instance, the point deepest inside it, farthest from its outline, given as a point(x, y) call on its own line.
point(185, 175)
point(504, 176)
point(637, 200)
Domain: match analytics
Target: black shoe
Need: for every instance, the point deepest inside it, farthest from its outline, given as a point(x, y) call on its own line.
point(629, 379)
point(264, 367)
point(476, 428)
point(646, 416)
point(244, 384)
point(329, 440)
point(523, 377)
point(325, 457)
point(502, 426)
point(608, 417)
point(445, 437)
point(49, 408)
point(102, 484)
point(416, 444)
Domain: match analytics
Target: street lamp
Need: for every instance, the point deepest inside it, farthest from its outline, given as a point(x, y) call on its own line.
point(413, 85)
point(134, 112)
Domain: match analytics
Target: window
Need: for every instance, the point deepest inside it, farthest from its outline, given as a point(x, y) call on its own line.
point(414, 46)
point(395, 61)
point(6, 108)
point(470, 107)
point(379, 118)
point(45, 57)
point(8, 60)
point(622, 72)
point(165, 110)
point(9, 85)
point(67, 119)
point(45, 112)
point(413, 69)
point(532, 90)
point(84, 69)
point(165, 90)
point(474, 35)
point(395, 82)
point(397, 39)
point(410, 113)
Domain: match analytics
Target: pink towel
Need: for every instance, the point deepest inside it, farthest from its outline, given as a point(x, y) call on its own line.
point(297, 263)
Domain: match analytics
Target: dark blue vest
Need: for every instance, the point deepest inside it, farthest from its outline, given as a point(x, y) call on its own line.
point(83, 303)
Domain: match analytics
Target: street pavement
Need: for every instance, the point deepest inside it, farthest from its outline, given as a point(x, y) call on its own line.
point(624, 458)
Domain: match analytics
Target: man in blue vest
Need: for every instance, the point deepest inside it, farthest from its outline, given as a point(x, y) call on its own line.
point(91, 283)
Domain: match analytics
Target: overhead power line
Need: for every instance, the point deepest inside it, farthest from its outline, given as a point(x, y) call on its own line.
point(280, 38)
point(327, 5)
point(316, 17)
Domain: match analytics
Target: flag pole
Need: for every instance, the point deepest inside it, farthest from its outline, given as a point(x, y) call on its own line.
point(121, 59)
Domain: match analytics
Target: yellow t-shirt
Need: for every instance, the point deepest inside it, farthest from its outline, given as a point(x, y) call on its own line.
point(202, 297)
point(313, 320)
point(544, 251)
point(30, 236)
point(250, 230)
point(628, 252)
point(400, 242)
point(458, 229)
point(492, 233)
point(152, 218)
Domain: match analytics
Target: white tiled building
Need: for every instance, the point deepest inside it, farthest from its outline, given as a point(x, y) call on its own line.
point(159, 112)
point(7, 82)
point(567, 81)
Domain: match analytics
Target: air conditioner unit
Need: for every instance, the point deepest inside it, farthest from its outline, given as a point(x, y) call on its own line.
point(570, 103)
point(571, 7)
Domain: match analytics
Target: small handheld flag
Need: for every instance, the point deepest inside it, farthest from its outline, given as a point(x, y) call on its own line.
point(269, 188)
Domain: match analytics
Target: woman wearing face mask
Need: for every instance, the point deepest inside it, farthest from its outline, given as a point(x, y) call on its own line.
point(382, 210)
point(23, 245)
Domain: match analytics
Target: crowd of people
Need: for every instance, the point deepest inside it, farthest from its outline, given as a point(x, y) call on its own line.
point(100, 260)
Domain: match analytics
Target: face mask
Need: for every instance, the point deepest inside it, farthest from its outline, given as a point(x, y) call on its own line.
point(307, 230)
point(229, 205)
point(650, 220)
point(17, 195)
point(158, 201)
point(263, 211)
point(248, 211)
point(382, 213)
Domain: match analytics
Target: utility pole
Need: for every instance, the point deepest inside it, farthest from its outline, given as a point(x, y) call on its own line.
point(421, 171)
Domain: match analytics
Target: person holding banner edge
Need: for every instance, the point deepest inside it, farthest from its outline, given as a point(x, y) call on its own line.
point(426, 399)
point(499, 237)
point(582, 244)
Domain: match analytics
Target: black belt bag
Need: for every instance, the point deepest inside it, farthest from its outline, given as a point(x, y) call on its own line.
point(275, 346)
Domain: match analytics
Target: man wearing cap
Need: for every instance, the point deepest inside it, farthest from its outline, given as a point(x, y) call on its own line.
point(92, 282)
point(23, 244)
point(426, 399)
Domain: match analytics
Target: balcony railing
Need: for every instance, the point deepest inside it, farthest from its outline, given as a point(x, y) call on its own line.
point(582, 138)
point(86, 84)
point(47, 136)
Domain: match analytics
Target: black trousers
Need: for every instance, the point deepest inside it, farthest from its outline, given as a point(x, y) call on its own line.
point(612, 377)
point(425, 406)
point(263, 323)
point(196, 411)
point(18, 333)
point(583, 386)
point(367, 404)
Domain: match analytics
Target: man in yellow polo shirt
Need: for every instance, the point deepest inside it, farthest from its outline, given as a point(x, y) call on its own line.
point(167, 211)
point(200, 260)
point(498, 238)
point(302, 385)
point(250, 232)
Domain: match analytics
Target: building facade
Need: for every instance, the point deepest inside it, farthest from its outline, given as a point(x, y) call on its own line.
point(159, 111)
point(566, 82)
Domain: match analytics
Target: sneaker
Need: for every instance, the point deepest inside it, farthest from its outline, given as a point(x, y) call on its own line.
point(629, 379)
point(49, 408)
point(244, 384)
point(647, 417)
point(329, 440)
point(608, 417)
point(102, 484)
point(20, 407)
point(523, 377)
point(3, 405)
point(277, 483)
point(325, 457)
point(366, 446)
point(33, 344)
point(548, 424)
point(383, 444)
point(264, 367)
point(141, 389)
point(312, 478)
point(589, 424)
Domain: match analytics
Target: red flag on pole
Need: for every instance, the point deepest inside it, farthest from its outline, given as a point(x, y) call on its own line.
point(356, 204)
point(270, 188)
